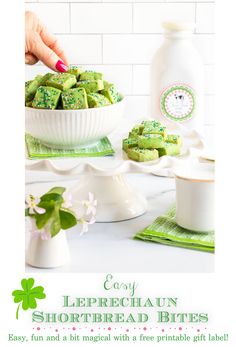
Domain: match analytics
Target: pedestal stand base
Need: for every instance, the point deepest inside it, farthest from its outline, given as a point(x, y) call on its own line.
point(117, 199)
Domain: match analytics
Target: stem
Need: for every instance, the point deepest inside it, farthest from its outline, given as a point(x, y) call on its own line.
point(17, 311)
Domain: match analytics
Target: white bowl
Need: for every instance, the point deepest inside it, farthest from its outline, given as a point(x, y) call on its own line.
point(67, 129)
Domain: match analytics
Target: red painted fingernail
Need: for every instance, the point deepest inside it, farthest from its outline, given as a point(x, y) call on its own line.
point(61, 67)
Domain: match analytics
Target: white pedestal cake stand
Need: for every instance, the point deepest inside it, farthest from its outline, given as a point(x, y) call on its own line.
point(104, 177)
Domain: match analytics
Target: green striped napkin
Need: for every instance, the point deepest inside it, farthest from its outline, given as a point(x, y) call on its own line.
point(165, 230)
point(37, 150)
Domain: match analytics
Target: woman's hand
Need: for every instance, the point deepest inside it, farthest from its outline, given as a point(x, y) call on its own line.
point(40, 44)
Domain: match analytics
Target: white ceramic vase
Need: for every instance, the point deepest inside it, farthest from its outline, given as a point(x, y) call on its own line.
point(48, 253)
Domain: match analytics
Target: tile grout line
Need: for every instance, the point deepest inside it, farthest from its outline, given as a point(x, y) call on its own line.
point(116, 64)
point(127, 34)
point(124, 2)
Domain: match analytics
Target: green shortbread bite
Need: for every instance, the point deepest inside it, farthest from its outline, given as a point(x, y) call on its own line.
point(140, 154)
point(45, 78)
point(31, 88)
point(151, 123)
point(27, 83)
point(160, 129)
point(133, 135)
point(111, 94)
point(97, 100)
point(91, 86)
point(28, 104)
point(90, 76)
point(106, 84)
point(136, 131)
point(172, 138)
point(62, 81)
point(74, 99)
point(75, 70)
point(27, 92)
point(129, 143)
point(46, 97)
point(150, 141)
point(169, 149)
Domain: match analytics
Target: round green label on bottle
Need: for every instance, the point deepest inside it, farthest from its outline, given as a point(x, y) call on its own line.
point(177, 102)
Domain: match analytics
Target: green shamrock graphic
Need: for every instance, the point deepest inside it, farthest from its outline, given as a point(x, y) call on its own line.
point(27, 297)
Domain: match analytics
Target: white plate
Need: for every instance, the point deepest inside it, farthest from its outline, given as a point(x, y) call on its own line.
point(207, 155)
point(103, 176)
point(193, 145)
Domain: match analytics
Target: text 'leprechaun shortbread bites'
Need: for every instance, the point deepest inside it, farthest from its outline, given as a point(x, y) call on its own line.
point(96, 92)
point(46, 98)
point(149, 141)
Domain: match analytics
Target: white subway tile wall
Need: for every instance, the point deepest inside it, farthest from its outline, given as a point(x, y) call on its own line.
point(119, 38)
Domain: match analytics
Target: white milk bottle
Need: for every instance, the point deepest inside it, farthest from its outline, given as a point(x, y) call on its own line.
point(177, 78)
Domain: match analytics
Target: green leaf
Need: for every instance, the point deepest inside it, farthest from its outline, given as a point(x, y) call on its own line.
point(55, 226)
point(57, 190)
point(47, 204)
point(27, 284)
point(51, 197)
point(27, 212)
point(19, 295)
point(54, 194)
point(67, 218)
point(42, 219)
point(27, 297)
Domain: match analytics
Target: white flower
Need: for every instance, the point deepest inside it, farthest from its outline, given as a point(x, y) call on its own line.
point(90, 205)
point(67, 200)
point(44, 233)
point(85, 224)
point(31, 203)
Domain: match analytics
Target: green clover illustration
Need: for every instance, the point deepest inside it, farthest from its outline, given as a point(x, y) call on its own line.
point(27, 297)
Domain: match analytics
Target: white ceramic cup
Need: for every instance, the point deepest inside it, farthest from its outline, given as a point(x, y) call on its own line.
point(195, 198)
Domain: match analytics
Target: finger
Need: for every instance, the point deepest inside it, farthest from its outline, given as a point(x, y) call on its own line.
point(59, 51)
point(30, 59)
point(46, 55)
point(52, 42)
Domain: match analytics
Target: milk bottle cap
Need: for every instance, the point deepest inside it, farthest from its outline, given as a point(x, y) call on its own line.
point(179, 26)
